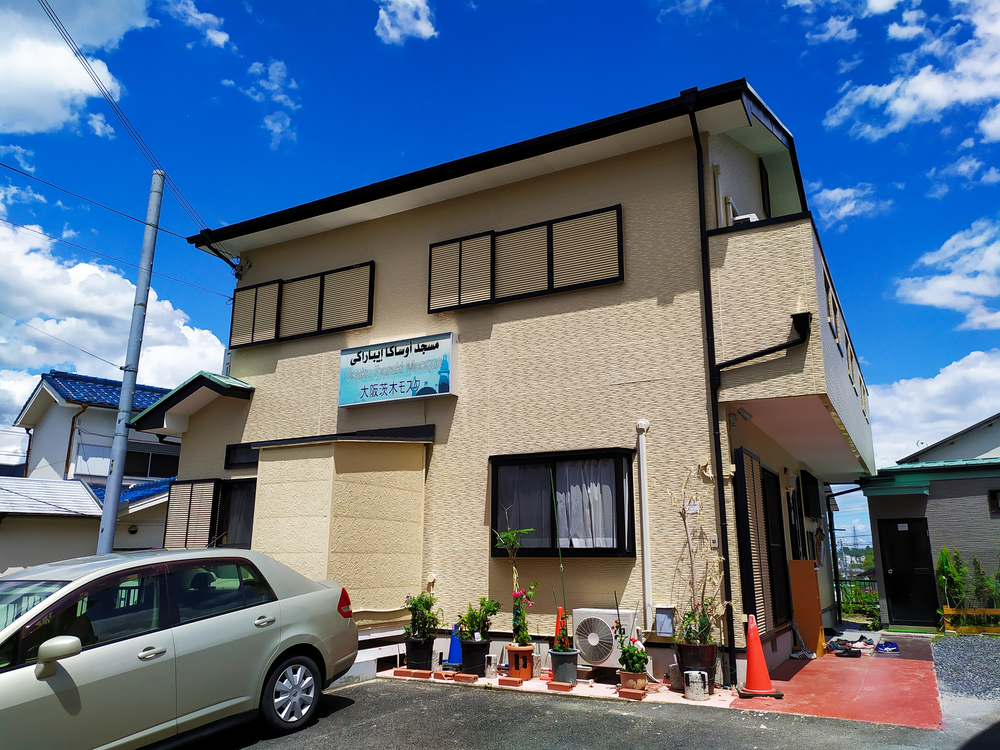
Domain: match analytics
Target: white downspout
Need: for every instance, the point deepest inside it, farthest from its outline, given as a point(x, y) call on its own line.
point(642, 427)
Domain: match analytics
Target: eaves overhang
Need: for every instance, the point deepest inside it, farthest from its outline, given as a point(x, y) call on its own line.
point(421, 433)
point(916, 478)
point(727, 107)
point(169, 416)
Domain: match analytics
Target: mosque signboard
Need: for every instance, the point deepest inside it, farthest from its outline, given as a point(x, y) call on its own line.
point(421, 367)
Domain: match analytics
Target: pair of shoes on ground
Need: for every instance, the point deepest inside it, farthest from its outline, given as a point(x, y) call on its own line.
point(887, 647)
point(849, 652)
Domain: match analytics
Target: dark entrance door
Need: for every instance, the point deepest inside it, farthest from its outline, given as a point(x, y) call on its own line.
point(907, 570)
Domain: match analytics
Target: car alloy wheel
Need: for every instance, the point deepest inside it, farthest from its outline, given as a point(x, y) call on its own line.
point(292, 694)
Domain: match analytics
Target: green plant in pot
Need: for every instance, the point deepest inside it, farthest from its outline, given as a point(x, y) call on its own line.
point(562, 655)
point(697, 649)
point(520, 655)
point(474, 632)
point(632, 657)
point(419, 634)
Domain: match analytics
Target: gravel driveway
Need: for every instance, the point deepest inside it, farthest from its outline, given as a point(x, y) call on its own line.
point(968, 674)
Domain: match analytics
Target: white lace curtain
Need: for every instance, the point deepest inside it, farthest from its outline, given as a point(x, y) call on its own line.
point(585, 502)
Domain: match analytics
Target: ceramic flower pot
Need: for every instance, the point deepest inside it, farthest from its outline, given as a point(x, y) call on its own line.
point(474, 657)
point(633, 680)
point(698, 657)
point(520, 659)
point(564, 665)
point(419, 652)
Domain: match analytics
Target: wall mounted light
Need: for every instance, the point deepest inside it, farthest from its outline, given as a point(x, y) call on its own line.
point(790, 479)
point(747, 416)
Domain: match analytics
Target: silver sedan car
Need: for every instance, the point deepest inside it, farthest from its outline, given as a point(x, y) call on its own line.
point(130, 649)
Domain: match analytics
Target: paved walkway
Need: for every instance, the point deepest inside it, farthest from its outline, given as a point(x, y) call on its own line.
point(900, 690)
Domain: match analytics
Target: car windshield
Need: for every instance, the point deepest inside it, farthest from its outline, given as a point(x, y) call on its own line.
point(17, 597)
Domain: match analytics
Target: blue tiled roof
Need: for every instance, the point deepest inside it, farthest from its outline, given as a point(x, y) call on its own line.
point(136, 491)
point(100, 392)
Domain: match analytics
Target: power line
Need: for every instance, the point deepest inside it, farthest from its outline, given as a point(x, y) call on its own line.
point(88, 200)
point(46, 333)
point(146, 151)
point(109, 257)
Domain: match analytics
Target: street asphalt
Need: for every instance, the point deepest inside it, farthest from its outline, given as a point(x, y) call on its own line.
point(389, 714)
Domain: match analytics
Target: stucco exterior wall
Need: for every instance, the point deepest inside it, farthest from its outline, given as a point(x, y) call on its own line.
point(760, 277)
point(50, 442)
point(958, 516)
point(560, 372)
point(739, 173)
point(210, 429)
point(843, 391)
point(33, 540)
point(150, 523)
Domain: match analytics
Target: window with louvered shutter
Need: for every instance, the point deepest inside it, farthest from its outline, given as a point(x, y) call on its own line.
point(190, 514)
point(265, 317)
point(476, 269)
point(522, 262)
point(585, 250)
point(300, 307)
point(347, 298)
point(444, 276)
point(244, 301)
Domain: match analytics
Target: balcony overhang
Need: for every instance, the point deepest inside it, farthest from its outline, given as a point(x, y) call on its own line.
point(808, 428)
point(169, 416)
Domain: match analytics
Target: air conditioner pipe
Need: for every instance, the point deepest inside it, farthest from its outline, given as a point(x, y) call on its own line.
point(641, 428)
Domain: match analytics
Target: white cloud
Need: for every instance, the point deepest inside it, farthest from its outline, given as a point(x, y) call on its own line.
point(878, 7)
point(846, 66)
point(837, 204)
point(967, 143)
point(43, 87)
point(958, 67)
point(14, 194)
point(228, 82)
point(931, 409)
point(399, 19)
point(991, 176)
point(967, 170)
point(100, 126)
point(67, 233)
point(836, 28)
point(967, 279)
point(89, 305)
point(21, 155)
point(280, 126)
point(186, 12)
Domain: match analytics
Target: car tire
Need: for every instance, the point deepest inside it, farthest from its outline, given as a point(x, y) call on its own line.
point(291, 694)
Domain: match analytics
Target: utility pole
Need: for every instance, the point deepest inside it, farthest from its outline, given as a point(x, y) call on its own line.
point(109, 516)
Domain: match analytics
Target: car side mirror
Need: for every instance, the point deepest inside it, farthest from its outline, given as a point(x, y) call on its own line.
point(54, 649)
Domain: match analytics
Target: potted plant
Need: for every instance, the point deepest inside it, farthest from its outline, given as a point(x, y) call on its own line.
point(419, 634)
point(563, 655)
point(697, 649)
point(520, 655)
point(474, 632)
point(633, 657)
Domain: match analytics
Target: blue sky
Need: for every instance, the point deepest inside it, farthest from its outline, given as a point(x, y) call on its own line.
point(255, 106)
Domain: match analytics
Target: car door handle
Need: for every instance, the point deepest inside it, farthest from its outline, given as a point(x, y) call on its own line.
point(263, 621)
point(151, 652)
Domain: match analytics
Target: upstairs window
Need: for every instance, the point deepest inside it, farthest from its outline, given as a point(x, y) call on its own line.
point(593, 503)
point(325, 302)
point(554, 256)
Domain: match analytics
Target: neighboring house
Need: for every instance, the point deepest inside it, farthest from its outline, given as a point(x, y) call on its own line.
point(70, 419)
point(417, 363)
point(944, 495)
point(142, 512)
point(43, 520)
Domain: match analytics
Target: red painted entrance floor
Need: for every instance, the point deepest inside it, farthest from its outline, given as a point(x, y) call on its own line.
point(899, 689)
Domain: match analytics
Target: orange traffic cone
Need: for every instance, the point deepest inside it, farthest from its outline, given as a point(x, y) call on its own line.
point(758, 680)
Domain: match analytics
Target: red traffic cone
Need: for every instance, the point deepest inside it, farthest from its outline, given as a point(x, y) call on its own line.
point(758, 680)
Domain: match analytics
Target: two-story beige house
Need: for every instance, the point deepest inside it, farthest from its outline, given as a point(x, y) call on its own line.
point(598, 314)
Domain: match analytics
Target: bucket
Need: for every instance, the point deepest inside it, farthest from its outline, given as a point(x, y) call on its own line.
point(696, 686)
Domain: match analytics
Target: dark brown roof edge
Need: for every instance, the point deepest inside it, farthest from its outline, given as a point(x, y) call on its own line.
point(574, 136)
point(420, 433)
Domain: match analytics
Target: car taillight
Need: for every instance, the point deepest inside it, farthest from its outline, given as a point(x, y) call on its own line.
point(345, 604)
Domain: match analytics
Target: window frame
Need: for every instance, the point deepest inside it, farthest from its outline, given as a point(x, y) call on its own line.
point(624, 505)
point(551, 288)
point(228, 464)
point(176, 566)
point(993, 502)
point(155, 569)
point(320, 331)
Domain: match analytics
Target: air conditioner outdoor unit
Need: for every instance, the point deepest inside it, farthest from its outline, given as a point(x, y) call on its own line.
point(745, 219)
point(593, 634)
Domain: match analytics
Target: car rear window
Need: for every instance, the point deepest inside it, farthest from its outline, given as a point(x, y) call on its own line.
point(17, 597)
